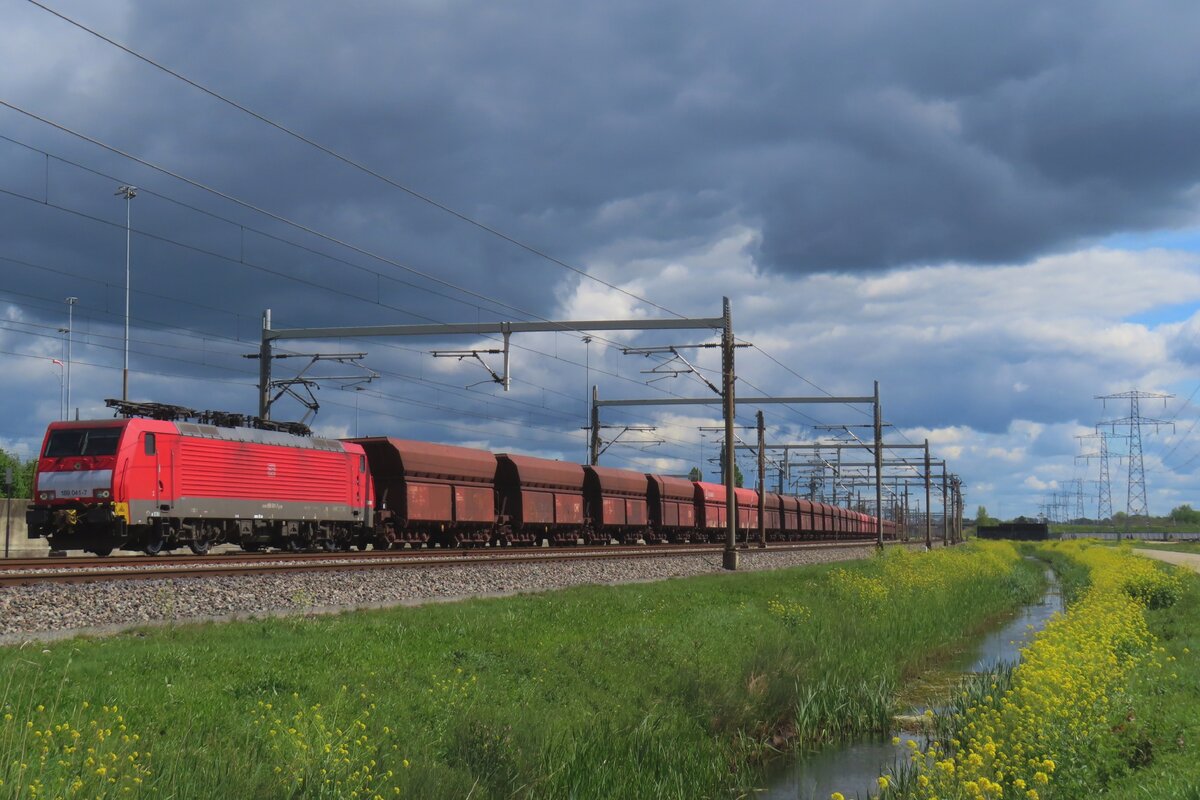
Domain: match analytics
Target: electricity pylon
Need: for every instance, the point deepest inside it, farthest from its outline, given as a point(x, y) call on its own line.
point(1135, 498)
point(1103, 486)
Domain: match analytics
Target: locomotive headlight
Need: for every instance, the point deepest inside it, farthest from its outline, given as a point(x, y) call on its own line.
point(103, 494)
point(45, 495)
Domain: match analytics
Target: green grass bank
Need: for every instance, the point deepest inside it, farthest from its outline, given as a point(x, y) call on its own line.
point(672, 689)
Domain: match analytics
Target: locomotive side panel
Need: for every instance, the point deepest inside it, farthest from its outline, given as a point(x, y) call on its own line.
point(246, 480)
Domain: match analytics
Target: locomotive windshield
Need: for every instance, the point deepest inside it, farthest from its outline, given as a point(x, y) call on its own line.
point(83, 442)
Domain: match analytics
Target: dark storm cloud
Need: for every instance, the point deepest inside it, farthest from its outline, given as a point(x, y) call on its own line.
point(857, 137)
point(850, 136)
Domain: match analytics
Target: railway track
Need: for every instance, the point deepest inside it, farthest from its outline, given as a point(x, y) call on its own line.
point(25, 572)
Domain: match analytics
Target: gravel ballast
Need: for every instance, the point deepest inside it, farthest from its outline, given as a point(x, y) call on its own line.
point(47, 611)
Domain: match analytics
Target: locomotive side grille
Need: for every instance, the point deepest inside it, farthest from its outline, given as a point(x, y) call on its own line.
point(220, 469)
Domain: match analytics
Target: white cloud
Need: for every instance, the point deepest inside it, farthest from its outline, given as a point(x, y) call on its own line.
point(997, 367)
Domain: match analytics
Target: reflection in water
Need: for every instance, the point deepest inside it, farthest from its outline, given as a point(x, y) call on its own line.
point(854, 768)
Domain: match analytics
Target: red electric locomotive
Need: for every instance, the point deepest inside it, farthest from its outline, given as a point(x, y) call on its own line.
point(156, 484)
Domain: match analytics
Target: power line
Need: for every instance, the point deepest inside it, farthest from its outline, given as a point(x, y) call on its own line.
point(243, 227)
point(279, 218)
point(287, 276)
point(352, 162)
point(51, 304)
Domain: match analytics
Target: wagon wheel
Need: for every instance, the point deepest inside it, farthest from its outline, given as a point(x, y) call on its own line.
point(103, 552)
point(203, 539)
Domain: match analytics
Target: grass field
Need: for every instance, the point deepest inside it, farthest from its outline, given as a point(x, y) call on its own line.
point(673, 689)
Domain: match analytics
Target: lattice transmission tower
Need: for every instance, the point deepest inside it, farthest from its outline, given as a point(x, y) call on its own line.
point(1104, 508)
point(1135, 499)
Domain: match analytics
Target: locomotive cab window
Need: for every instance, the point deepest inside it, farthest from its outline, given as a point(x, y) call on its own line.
point(362, 463)
point(150, 444)
point(83, 442)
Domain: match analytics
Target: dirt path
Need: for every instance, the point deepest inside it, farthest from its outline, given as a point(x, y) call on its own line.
point(1191, 560)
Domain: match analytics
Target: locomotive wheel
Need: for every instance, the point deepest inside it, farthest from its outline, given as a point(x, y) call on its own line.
point(153, 546)
point(103, 552)
point(199, 546)
point(251, 547)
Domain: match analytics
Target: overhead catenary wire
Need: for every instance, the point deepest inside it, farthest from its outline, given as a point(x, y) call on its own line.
point(299, 226)
point(349, 161)
point(439, 385)
point(287, 276)
point(196, 184)
point(373, 393)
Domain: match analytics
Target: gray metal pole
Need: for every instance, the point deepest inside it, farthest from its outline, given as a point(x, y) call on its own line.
point(128, 192)
point(594, 447)
point(730, 560)
point(928, 518)
point(587, 382)
point(71, 301)
point(878, 469)
point(8, 490)
point(507, 333)
point(837, 476)
point(945, 509)
point(762, 482)
point(264, 369)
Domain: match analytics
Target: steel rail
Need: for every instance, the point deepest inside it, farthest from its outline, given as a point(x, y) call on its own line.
point(200, 567)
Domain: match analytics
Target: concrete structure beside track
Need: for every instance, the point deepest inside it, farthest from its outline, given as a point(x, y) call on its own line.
point(15, 534)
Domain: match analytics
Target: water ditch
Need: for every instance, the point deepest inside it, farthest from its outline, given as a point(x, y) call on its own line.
point(853, 768)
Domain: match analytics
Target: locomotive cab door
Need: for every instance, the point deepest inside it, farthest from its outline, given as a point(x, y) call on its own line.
point(165, 445)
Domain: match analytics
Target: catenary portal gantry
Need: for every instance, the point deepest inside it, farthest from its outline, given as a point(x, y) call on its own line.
point(726, 397)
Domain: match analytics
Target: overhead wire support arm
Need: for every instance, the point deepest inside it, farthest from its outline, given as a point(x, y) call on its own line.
point(662, 370)
point(286, 386)
point(477, 355)
point(602, 447)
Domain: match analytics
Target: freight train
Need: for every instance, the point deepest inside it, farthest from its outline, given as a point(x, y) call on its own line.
point(164, 477)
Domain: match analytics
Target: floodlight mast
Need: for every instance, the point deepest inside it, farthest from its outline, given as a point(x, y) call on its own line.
point(127, 192)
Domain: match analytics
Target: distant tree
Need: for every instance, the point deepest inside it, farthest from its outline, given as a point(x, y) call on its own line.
point(738, 479)
point(695, 474)
point(1185, 515)
point(22, 485)
point(982, 518)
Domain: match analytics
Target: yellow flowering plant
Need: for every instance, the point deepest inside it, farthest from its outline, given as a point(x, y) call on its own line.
point(1055, 725)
